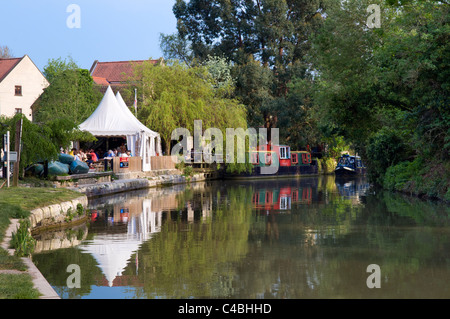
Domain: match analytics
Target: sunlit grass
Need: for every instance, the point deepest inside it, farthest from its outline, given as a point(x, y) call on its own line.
point(17, 286)
point(31, 197)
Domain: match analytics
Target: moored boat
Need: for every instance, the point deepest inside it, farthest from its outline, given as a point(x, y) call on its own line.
point(282, 160)
point(350, 165)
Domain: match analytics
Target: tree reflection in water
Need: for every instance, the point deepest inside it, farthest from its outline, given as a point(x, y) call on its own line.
point(293, 238)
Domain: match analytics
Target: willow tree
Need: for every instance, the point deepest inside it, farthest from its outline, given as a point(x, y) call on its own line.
point(174, 96)
point(268, 42)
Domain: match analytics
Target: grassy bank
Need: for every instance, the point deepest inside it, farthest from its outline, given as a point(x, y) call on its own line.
point(16, 203)
point(430, 179)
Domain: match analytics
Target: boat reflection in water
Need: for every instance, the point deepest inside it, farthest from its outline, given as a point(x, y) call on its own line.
point(280, 199)
point(352, 187)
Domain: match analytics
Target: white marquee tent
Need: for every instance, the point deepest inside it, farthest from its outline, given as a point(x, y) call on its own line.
point(113, 118)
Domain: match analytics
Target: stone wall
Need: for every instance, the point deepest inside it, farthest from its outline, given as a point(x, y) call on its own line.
point(55, 214)
point(124, 185)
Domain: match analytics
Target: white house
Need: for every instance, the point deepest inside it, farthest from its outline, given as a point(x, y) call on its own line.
point(21, 84)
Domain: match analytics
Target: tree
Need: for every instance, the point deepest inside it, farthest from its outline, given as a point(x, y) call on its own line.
point(5, 52)
point(274, 31)
point(342, 55)
point(267, 42)
point(413, 71)
point(387, 88)
point(175, 47)
point(42, 141)
point(173, 96)
point(71, 93)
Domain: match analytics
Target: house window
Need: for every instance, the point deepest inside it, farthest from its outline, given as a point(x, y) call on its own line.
point(18, 110)
point(18, 90)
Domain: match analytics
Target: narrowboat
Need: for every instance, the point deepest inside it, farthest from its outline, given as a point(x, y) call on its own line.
point(284, 161)
point(350, 165)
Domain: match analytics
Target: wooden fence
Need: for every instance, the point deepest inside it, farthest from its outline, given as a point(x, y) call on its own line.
point(127, 164)
point(163, 162)
point(134, 164)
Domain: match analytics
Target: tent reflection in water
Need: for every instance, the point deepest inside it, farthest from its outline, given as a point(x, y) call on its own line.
point(112, 118)
point(114, 250)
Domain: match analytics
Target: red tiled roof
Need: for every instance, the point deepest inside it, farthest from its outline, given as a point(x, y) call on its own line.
point(101, 81)
point(6, 66)
point(114, 72)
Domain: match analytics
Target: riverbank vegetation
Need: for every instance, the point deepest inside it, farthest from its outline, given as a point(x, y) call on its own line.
point(16, 203)
point(320, 72)
point(386, 90)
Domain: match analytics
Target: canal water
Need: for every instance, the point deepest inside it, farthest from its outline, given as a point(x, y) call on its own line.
point(318, 237)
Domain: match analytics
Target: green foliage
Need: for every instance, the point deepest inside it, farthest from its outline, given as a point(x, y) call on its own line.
point(175, 95)
point(220, 72)
point(342, 57)
point(238, 168)
point(384, 149)
point(188, 171)
point(22, 241)
point(423, 177)
point(271, 30)
point(14, 286)
point(71, 93)
point(253, 87)
point(267, 42)
point(397, 176)
point(386, 89)
point(41, 141)
point(326, 165)
point(175, 47)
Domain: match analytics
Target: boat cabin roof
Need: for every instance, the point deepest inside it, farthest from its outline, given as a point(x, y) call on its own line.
point(350, 156)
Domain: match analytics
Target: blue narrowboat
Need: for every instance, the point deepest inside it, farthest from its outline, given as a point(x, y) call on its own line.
point(350, 165)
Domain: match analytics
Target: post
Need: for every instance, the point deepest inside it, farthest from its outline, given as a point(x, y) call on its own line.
point(18, 139)
point(7, 158)
point(135, 102)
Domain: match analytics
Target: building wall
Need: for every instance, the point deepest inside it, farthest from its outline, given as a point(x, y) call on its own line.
point(33, 83)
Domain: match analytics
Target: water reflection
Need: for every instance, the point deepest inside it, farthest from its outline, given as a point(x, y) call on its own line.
point(295, 238)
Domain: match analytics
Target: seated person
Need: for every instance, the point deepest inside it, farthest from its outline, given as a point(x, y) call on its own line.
point(124, 154)
point(89, 160)
point(93, 156)
point(76, 156)
point(110, 153)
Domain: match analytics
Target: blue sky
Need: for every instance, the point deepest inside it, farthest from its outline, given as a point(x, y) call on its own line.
point(113, 30)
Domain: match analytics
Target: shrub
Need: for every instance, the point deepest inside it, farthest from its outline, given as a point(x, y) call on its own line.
point(22, 241)
point(384, 149)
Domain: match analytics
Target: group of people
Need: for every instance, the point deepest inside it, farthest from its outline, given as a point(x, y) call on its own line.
point(90, 156)
point(117, 152)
